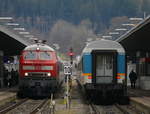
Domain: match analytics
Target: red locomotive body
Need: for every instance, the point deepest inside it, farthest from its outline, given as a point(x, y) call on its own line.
point(39, 72)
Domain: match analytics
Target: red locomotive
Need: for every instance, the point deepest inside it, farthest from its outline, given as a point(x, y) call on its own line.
point(38, 70)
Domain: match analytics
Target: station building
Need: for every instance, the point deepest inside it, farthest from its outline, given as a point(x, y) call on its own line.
point(137, 46)
point(10, 45)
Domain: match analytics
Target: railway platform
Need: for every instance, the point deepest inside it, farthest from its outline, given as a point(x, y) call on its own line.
point(7, 95)
point(140, 99)
point(76, 104)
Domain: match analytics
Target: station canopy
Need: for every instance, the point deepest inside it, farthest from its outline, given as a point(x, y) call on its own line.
point(138, 38)
point(10, 43)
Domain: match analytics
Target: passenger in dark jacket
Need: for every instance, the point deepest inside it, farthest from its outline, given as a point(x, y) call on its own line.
point(13, 74)
point(5, 77)
point(133, 78)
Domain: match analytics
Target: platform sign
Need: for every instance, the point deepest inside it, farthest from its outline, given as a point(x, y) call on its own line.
point(67, 70)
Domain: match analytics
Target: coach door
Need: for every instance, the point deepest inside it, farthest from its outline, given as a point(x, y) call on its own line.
point(104, 67)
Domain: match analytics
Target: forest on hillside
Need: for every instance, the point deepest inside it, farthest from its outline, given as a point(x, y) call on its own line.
point(71, 21)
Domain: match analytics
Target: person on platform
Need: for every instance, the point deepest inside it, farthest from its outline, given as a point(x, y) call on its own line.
point(133, 78)
point(9, 79)
point(13, 75)
point(5, 77)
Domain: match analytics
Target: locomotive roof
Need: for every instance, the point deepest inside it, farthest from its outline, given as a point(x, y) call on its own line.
point(103, 45)
point(43, 47)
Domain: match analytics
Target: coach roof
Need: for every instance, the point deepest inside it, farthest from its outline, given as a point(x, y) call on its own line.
point(103, 45)
point(42, 47)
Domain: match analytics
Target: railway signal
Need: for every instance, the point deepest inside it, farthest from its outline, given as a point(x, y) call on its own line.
point(71, 54)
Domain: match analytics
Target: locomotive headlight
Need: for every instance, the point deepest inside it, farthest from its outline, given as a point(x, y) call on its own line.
point(48, 74)
point(26, 74)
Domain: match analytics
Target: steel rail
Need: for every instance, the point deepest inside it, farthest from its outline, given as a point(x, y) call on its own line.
point(11, 107)
point(39, 107)
point(94, 109)
point(121, 109)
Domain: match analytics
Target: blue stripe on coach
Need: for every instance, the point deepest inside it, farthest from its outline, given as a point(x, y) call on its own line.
point(121, 63)
point(87, 63)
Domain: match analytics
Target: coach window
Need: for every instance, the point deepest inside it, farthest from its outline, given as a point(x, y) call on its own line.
point(45, 55)
point(142, 68)
point(104, 69)
point(148, 68)
point(109, 66)
point(104, 66)
point(100, 68)
point(30, 55)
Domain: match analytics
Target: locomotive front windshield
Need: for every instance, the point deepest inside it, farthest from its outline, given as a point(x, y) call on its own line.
point(34, 55)
point(104, 68)
point(44, 55)
point(30, 55)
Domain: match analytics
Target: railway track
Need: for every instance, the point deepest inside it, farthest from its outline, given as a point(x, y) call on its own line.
point(129, 109)
point(113, 109)
point(29, 106)
point(94, 109)
point(99, 109)
point(10, 107)
point(40, 107)
point(25, 106)
point(110, 109)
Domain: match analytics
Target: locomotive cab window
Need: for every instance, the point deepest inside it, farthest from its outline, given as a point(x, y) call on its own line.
point(30, 55)
point(45, 55)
